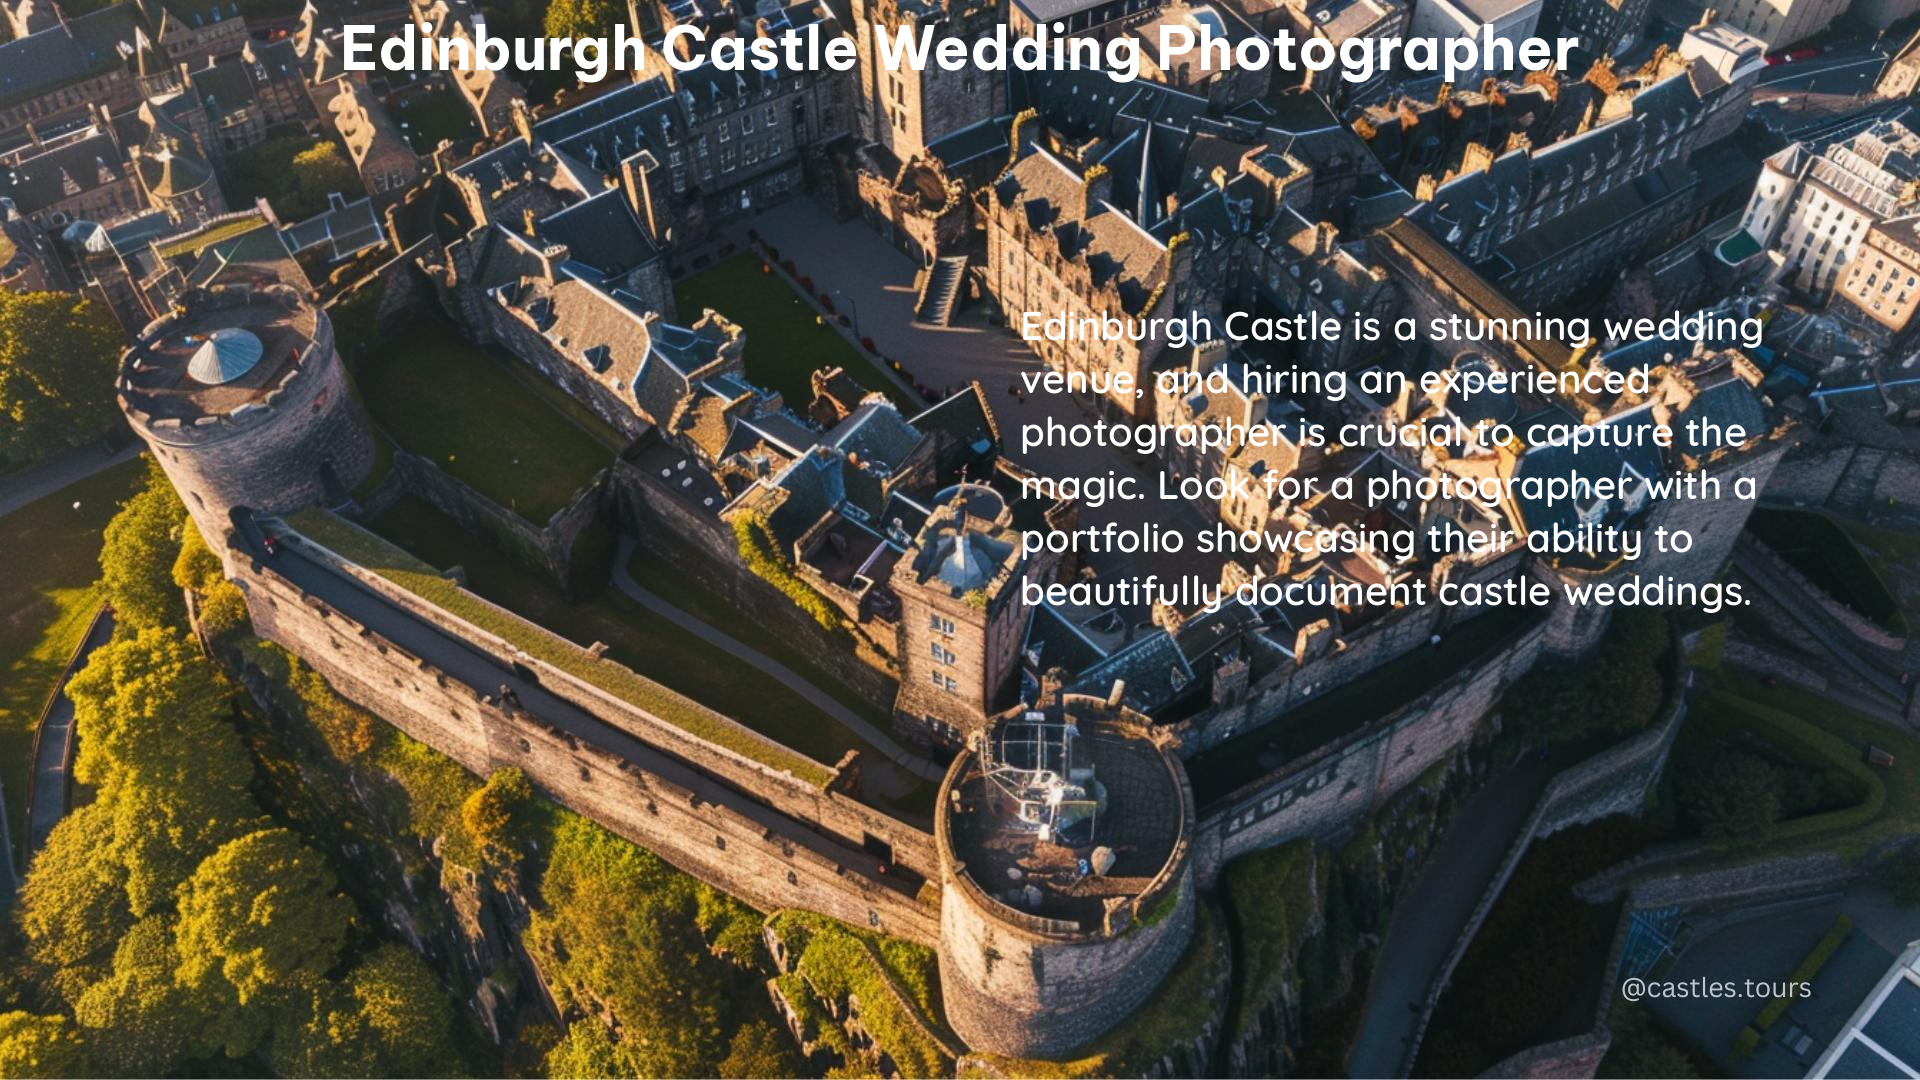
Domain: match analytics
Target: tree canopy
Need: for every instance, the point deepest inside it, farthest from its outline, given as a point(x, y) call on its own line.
point(262, 913)
point(1731, 796)
point(136, 561)
point(58, 356)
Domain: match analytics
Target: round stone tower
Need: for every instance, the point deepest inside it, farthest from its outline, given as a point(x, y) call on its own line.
point(1064, 833)
point(240, 395)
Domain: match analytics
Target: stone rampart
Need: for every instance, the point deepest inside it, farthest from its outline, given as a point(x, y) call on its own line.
point(1614, 781)
point(547, 547)
point(763, 858)
point(1324, 792)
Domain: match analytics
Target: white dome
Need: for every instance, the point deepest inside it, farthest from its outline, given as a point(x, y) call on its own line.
point(224, 356)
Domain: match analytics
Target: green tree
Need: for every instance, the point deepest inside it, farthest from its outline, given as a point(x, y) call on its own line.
point(1617, 690)
point(758, 1050)
point(136, 560)
point(168, 768)
point(1640, 1048)
point(316, 172)
point(58, 356)
point(223, 608)
point(73, 907)
point(620, 924)
point(1731, 796)
point(40, 1046)
point(142, 1021)
point(389, 1017)
point(582, 18)
point(587, 1052)
point(1900, 875)
point(261, 913)
point(495, 815)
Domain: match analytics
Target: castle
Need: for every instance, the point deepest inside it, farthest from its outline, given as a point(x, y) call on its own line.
point(1105, 764)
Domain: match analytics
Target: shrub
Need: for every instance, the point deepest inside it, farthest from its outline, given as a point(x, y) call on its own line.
point(764, 558)
point(1809, 968)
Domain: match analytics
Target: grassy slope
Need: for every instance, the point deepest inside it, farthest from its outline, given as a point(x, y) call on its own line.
point(784, 343)
point(638, 656)
point(451, 403)
point(51, 552)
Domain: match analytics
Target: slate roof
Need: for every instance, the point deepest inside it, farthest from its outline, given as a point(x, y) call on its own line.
point(601, 233)
point(1642, 460)
point(1153, 667)
point(65, 54)
point(1115, 250)
point(91, 161)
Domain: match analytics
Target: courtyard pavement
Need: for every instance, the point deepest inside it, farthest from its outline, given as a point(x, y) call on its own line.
point(849, 261)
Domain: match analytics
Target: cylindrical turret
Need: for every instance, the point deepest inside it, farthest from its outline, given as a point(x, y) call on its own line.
point(242, 398)
point(1063, 833)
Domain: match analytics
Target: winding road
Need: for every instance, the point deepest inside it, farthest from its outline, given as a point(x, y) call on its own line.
point(47, 794)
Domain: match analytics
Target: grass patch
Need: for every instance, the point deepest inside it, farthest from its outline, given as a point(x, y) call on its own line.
point(453, 404)
point(834, 961)
point(1808, 969)
point(1269, 897)
point(198, 242)
point(47, 596)
point(1898, 800)
point(430, 117)
point(786, 341)
point(423, 580)
point(1820, 549)
point(1721, 719)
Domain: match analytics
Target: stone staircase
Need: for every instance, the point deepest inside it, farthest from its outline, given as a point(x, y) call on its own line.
point(940, 291)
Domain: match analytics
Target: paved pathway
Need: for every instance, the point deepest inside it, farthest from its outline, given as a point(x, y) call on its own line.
point(1427, 920)
point(792, 680)
point(47, 794)
point(849, 261)
point(19, 489)
point(1871, 671)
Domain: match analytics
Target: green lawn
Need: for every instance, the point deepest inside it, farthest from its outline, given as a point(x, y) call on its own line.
point(457, 406)
point(52, 554)
point(673, 675)
point(442, 114)
point(786, 343)
point(1819, 548)
point(659, 577)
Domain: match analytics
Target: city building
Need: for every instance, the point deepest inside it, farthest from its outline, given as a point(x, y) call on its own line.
point(1511, 21)
point(1813, 210)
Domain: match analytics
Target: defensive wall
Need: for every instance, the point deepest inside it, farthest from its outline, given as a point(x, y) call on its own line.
point(1045, 977)
point(669, 526)
point(548, 548)
point(1614, 781)
point(764, 861)
point(1846, 477)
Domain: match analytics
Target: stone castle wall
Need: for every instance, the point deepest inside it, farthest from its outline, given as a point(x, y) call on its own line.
point(1025, 985)
point(717, 843)
point(308, 436)
point(548, 547)
point(701, 546)
point(1614, 781)
point(1846, 477)
point(1323, 792)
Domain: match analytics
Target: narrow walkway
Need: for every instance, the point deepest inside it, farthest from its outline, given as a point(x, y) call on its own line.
point(27, 485)
point(1427, 920)
point(53, 746)
point(1872, 671)
point(792, 680)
